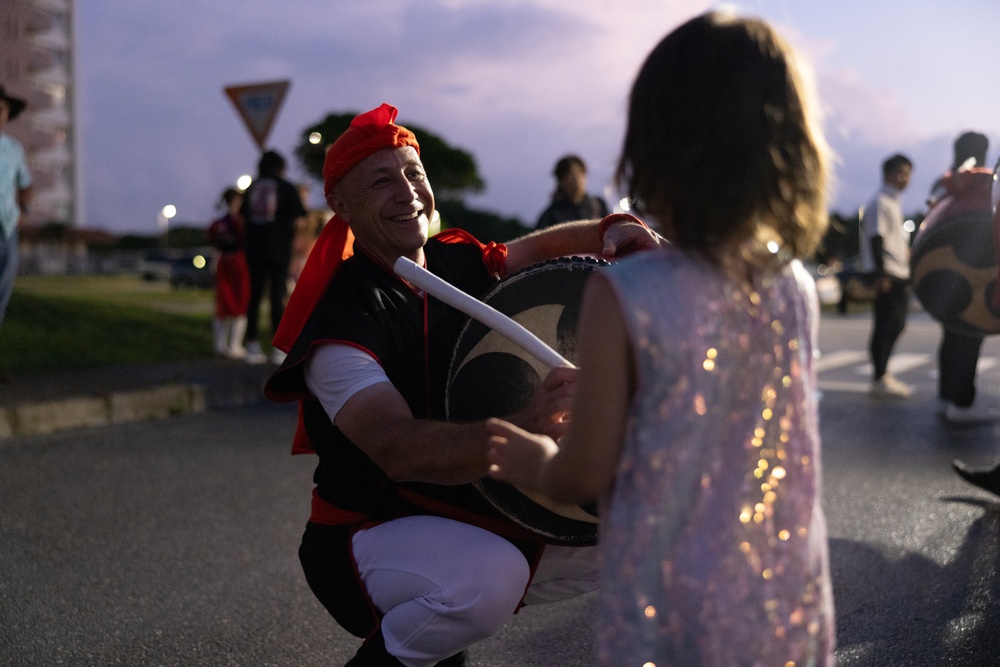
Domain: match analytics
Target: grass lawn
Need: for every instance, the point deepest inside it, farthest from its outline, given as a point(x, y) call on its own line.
point(61, 322)
point(74, 322)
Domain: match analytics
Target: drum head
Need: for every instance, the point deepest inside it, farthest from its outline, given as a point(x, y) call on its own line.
point(490, 376)
point(954, 272)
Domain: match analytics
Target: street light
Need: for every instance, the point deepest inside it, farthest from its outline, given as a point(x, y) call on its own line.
point(166, 213)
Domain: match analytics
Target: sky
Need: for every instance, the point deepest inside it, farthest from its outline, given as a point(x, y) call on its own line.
point(517, 83)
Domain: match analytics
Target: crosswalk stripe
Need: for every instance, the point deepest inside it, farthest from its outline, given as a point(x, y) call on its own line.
point(847, 387)
point(838, 359)
point(899, 363)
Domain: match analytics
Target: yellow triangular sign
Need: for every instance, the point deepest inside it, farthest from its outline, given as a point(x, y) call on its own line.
point(258, 104)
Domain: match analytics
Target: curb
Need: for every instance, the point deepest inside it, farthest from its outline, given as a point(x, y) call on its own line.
point(51, 402)
point(118, 407)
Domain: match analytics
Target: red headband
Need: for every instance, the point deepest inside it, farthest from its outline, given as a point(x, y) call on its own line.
point(370, 132)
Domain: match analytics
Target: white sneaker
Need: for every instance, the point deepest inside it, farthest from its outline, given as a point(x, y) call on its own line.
point(970, 415)
point(238, 353)
point(277, 356)
point(254, 354)
point(889, 387)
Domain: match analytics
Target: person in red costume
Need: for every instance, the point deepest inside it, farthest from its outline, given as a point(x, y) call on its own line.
point(987, 478)
point(958, 353)
point(232, 278)
point(400, 547)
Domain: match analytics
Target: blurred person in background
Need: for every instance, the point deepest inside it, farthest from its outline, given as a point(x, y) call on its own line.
point(958, 353)
point(232, 278)
point(15, 195)
point(271, 210)
point(570, 201)
point(987, 478)
point(885, 252)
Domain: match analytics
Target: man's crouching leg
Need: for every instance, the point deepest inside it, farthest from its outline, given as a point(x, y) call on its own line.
point(440, 585)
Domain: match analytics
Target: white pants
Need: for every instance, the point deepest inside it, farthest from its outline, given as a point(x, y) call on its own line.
point(443, 585)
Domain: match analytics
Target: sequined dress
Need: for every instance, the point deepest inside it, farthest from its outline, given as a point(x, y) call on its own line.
point(713, 545)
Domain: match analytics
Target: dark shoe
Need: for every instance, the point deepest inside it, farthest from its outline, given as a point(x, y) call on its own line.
point(457, 660)
point(373, 654)
point(984, 478)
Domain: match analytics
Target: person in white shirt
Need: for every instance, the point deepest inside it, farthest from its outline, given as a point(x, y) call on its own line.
point(885, 252)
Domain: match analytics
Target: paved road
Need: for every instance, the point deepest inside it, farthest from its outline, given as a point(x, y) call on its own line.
point(173, 543)
point(914, 549)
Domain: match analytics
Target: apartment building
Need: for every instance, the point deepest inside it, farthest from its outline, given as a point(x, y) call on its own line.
point(37, 64)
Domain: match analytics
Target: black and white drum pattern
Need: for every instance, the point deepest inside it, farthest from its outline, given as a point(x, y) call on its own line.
point(953, 264)
point(491, 376)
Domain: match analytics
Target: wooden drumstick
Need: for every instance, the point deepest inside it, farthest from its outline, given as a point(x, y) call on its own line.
point(419, 276)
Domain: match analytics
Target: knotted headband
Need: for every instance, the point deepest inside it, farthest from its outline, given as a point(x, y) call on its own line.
point(370, 132)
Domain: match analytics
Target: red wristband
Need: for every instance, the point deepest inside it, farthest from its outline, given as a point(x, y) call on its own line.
point(614, 219)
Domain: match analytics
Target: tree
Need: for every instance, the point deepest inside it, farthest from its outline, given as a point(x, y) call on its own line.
point(481, 224)
point(452, 171)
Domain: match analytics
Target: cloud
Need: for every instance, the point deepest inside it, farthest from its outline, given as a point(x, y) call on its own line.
point(857, 112)
point(457, 68)
point(516, 82)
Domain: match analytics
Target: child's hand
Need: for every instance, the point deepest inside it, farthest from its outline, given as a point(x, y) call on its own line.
point(517, 456)
point(548, 410)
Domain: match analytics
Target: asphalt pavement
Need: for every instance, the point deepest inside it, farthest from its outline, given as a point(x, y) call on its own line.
point(170, 538)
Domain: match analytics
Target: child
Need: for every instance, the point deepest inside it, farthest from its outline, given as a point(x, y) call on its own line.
point(695, 418)
point(232, 279)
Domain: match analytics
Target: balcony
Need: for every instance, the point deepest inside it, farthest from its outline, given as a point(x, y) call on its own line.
point(37, 21)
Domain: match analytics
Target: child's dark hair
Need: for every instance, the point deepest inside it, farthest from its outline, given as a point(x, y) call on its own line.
point(228, 195)
point(722, 143)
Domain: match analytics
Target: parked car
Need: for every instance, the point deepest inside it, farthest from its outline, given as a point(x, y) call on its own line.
point(827, 284)
point(856, 284)
point(155, 264)
point(187, 267)
point(194, 268)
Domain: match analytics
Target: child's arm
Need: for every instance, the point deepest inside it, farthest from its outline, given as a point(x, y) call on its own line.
point(582, 467)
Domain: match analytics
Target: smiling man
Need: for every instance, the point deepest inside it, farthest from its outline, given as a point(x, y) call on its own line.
point(401, 549)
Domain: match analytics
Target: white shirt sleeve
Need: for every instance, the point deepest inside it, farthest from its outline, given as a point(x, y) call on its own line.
point(336, 372)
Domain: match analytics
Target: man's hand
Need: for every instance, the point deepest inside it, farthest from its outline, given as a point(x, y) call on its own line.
point(548, 410)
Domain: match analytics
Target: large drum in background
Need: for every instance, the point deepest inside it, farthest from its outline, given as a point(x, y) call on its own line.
point(491, 376)
point(953, 260)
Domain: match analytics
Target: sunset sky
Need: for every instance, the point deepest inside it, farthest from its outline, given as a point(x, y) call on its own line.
point(517, 83)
